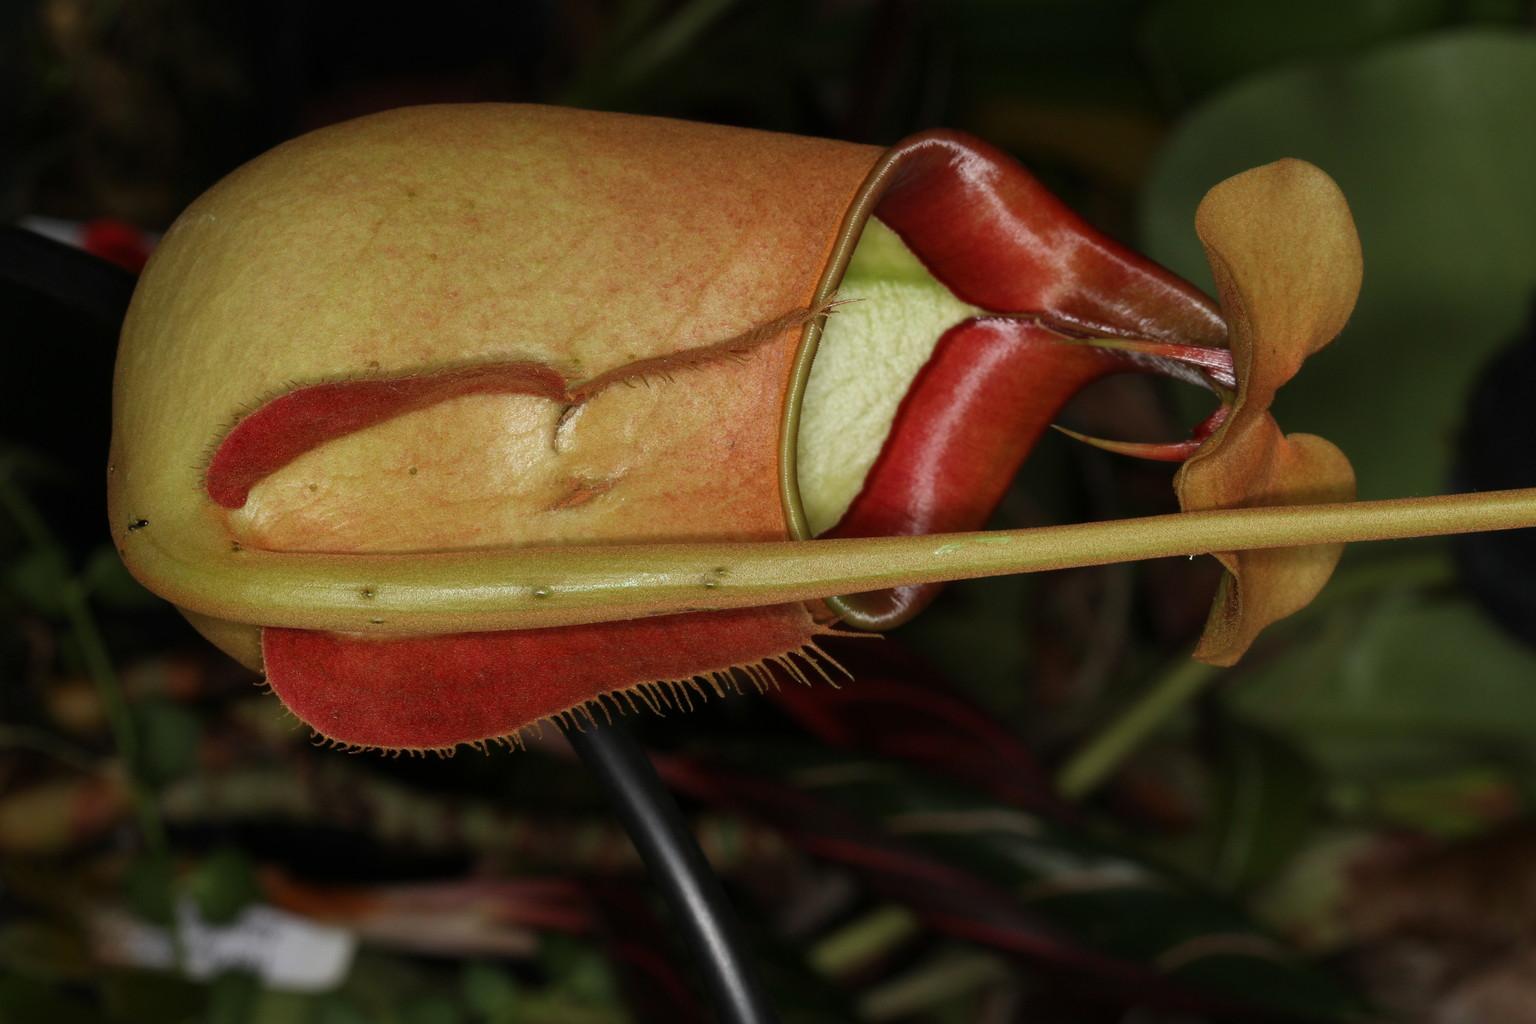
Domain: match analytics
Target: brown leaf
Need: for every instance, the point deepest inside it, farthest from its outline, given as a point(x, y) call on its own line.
point(1286, 258)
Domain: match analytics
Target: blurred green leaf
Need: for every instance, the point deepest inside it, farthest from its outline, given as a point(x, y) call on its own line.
point(149, 888)
point(336, 1009)
point(223, 885)
point(660, 59)
point(29, 999)
point(1244, 974)
point(134, 997)
point(1195, 46)
point(1408, 685)
point(233, 998)
point(1058, 83)
point(577, 969)
point(490, 991)
point(982, 616)
point(1267, 794)
point(42, 945)
point(40, 578)
point(1047, 50)
point(282, 1008)
point(430, 1009)
point(168, 736)
point(1432, 143)
point(1072, 893)
point(1305, 901)
point(106, 580)
point(1459, 803)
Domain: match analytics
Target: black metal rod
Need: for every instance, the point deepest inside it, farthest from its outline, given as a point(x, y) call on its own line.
point(688, 883)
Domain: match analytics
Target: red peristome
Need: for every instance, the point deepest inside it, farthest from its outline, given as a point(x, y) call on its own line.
point(425, 692)
point(973, 415)
point(989, 231)
point(303, 419)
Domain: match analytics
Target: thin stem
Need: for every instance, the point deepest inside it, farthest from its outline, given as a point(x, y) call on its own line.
point(699, 905)
point(98, 662)
point(20, 737)
point(1096, 762)
point(192, 564)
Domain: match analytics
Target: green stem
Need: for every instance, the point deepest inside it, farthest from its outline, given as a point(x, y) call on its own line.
point(1094, 763)
point(20, 737)
point(98, 663)
point(190, 561)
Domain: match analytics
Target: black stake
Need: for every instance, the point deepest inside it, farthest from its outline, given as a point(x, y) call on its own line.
point(656, 827)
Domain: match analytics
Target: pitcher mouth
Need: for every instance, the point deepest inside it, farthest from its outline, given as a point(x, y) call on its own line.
point(1036, 274)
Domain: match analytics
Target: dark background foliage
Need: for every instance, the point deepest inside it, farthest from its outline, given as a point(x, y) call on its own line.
point(1029, 806)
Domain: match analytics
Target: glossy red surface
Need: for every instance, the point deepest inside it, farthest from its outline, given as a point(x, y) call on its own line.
point(989, 231)
point(973, 415)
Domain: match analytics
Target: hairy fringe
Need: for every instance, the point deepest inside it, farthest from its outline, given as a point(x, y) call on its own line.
point(658, 696)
